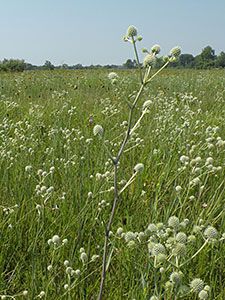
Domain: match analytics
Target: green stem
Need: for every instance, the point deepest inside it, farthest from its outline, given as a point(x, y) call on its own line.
point(196, 253)
point(137, 59)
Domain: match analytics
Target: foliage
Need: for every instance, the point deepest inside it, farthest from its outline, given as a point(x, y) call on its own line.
point(12, 65)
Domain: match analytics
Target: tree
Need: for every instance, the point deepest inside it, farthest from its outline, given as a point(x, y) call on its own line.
point(129, 64)
point(220, 60)
point(206, 59)
point(13, 65)
point(48, 65)
point(186, 60)
point(208, 53)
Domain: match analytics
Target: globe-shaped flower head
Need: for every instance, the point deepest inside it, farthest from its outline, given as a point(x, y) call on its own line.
point(197, 285)
point(98, 130)
point(155, 49)
point(131, 31)
point(175, 52)
point(149, 60)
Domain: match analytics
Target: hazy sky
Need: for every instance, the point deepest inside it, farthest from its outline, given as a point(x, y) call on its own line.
point(90, 31)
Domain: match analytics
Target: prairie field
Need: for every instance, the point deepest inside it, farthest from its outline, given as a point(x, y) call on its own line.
point(56, 186)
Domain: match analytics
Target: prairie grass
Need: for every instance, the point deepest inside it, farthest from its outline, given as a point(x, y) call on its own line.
point(56, 178)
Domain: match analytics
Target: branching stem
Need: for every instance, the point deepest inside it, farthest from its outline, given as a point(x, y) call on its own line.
point(115, 162)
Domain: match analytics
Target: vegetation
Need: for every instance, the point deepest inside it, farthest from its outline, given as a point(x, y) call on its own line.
point(52, 171)
point(205, 60)
point(166, 240)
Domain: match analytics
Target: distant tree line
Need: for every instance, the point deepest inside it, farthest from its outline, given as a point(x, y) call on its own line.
point(205, 60)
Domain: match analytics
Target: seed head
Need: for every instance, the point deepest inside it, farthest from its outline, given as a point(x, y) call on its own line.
point(155, 49)
point(160, 258)
point(174, 222)
point(211, 232)
point(149, 60)
point(139, 168)
point(77, 272)
point(139, 38)
point(179, 250)
point(129, 236)
point(25, 293)
point(94, 257)
point(175, 52)
point(203, 295)
point(119, 231)
point(56, 239)
point(181, 237)
point(49, 268)
point(64, 241)
point(66, 263)
point(144, 50)
point(69, 270)
point(158, 249)
point(98, 130)
point(28, 168)
point(141, 236)
point(166, 59)
point(197, 285)
point(42, 294)
point(207, 288)
point(131, 244)
point(191, 238)
point(112, 75)
point(146, 104)
point(184, 159)
point(178, 188)
point(83, 257)
point(154, 298)
point(131, 31)
point(175, 277)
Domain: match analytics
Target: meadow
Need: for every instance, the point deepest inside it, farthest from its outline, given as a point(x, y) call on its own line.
point(56, 187)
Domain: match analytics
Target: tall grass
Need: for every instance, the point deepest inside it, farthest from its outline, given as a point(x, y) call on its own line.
point(52, 170)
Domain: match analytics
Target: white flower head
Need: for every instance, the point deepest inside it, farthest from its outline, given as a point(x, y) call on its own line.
point(98, 130)
point(147, 104)
point(149, 60)
point(155, 49)
point(131, 31)
point(112, 75)
point(139, 168)
point(175, 52)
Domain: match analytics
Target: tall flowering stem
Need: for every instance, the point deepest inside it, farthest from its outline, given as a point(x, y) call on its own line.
point(132, 37)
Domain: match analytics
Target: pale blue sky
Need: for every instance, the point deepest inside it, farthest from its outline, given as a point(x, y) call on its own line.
point(90, 31)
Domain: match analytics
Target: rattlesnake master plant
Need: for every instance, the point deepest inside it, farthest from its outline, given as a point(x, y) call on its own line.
point(133, 122)
point(172, 246)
